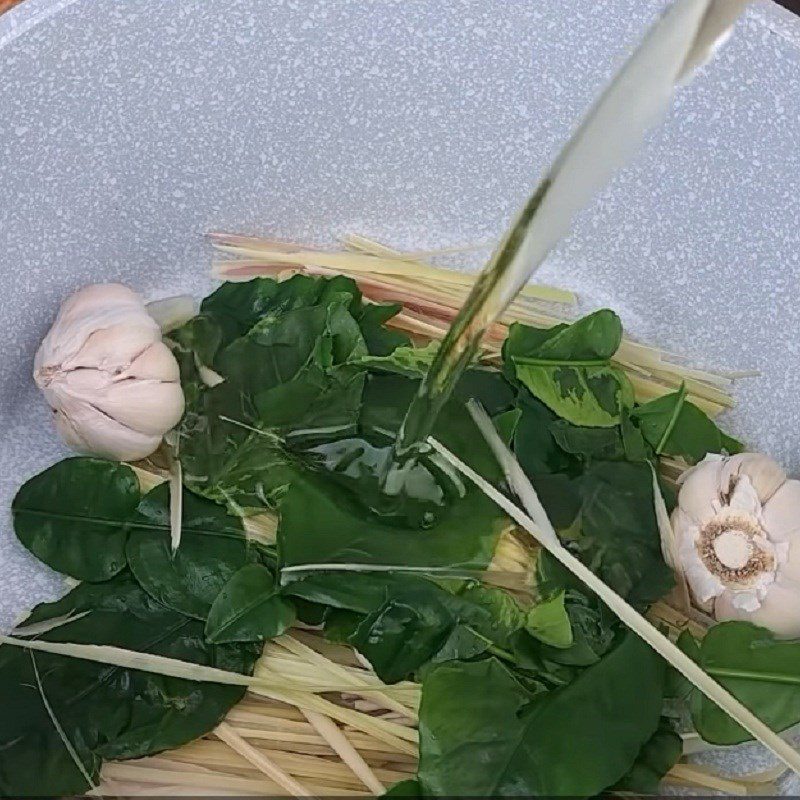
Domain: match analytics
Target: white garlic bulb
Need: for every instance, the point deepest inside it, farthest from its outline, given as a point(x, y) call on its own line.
point(737, 526)
point(112, 383)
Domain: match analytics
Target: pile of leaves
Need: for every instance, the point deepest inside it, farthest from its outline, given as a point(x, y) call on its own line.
point(295, 391)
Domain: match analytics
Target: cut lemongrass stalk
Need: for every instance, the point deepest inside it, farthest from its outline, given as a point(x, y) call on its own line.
point(669, 545)
point(147, 480)
point(171, 775)
point(175, 491)
point(38, 628)
point(536, 523)
point(515, 475)
point(345, 750)
point(403, 739)
point(260, 761)
point(174, 668)
point(355, 242)
point(339, 672)
point(208, 376)
point(346, 261)
point(68, 746)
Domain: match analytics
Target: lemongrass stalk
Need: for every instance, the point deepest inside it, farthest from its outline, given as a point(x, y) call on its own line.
point(346, 676)
point(68, 746)
point(38, 628)
point(161, 665)
point(540, 529)
point(199, 779)
point(260, 761)
point(345, 750)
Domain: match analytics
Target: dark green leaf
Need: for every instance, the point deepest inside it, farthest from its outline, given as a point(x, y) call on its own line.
point(73, 516)
point(759, 670)
point(486, 386)
point(361, 592)
point(619, 537)
point(595, 337)
point(658, 756)
point(575, 741)
point(674, 426)
point(407, 631)
point(106, 711)
point(237, 307)
point(380, 340)
point(593, 631)
point(506, 424)
point(588, 443)
point(194, 345)
point(249, 608)
point(212, 549)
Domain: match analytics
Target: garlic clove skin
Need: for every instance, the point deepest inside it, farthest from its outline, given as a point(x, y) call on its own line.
point(147, 406)
point(155, 363)
point(88, 430)
point(766, 476)
point(113, 384)
point(699, 487)
point(781, 517)
point(779, 610)
point(91, 310)
point(108, 348)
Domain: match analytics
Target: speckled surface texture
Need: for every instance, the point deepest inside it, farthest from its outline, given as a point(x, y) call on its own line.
point(130, 129)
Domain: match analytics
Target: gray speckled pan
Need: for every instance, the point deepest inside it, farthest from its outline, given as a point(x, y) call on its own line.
point(129, 129)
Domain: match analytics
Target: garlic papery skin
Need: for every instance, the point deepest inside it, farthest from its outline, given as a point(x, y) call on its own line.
point(113, 385)
point(737, 527)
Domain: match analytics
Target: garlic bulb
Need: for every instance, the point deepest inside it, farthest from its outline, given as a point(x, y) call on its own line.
point(737, 526)
point(112, 383)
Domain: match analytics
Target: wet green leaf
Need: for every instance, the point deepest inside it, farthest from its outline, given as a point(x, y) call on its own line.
point(212, 549)
point(249, 608)
point(73, 516)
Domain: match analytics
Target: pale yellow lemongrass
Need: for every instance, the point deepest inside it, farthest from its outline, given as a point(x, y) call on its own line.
point(356, 681)
point(311, 742)
point(354, 241)
point(261, 761)
point(38, 628)
point(175, 491)
point(669, 545)
point(68, 746)
point(303, 766)
point(543, 532)
point(169, 775)
point(403, 739)
point(264, 680)
point(430, 273)
point(342, 746)
point(261, 527)
point(147, 478)
point(348, 261)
